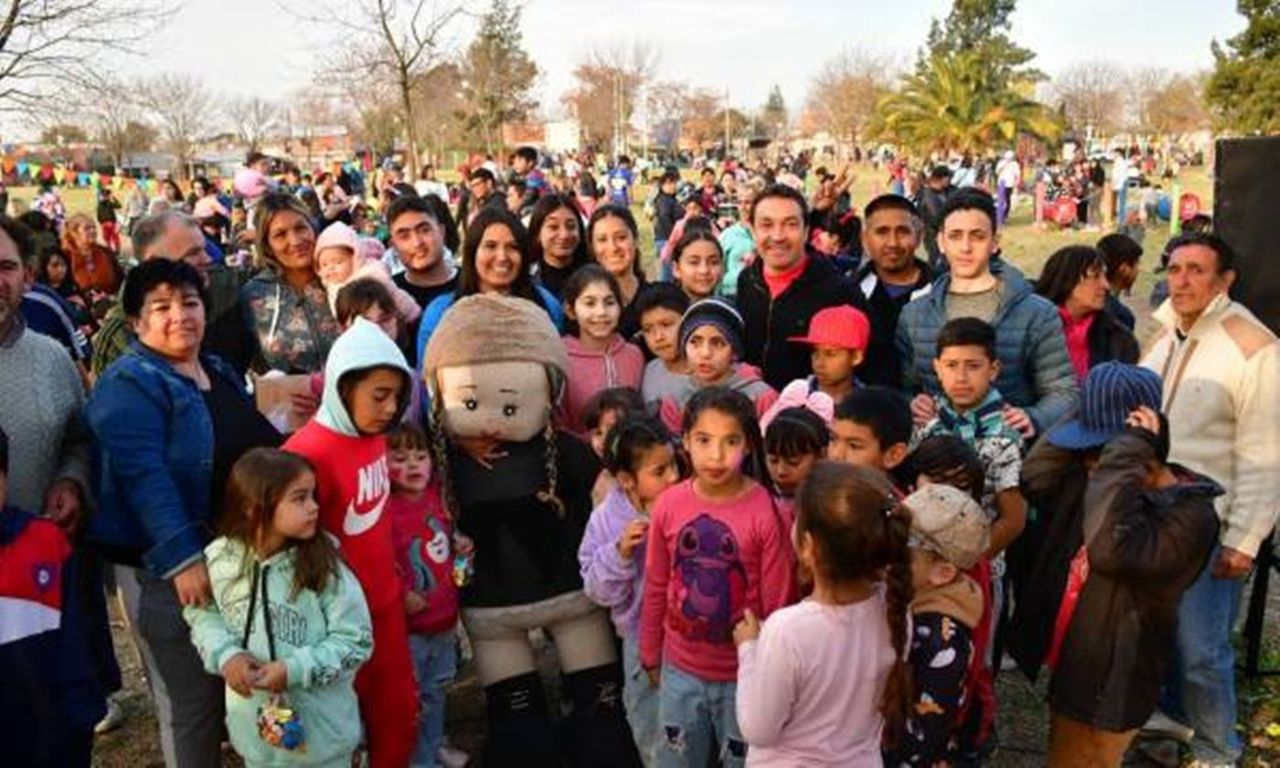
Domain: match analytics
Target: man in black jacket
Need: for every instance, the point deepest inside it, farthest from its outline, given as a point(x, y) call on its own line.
point(783, 288)
point(933, 199)
point(888, 280)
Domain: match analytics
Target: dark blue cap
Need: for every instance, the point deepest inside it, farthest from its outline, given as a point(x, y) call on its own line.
point(1111, 392)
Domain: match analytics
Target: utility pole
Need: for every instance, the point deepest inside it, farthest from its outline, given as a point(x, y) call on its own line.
point(726, 122)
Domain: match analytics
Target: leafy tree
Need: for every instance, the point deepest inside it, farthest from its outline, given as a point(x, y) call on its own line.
point(953, 106)
point(497, 74)
point(774, 115)
point(1245, 86)
point(980, 29)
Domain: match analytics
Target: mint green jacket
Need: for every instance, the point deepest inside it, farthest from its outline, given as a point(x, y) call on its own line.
point(322, 638)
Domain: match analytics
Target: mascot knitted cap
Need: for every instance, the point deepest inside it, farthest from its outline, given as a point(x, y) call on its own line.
point(490, 328)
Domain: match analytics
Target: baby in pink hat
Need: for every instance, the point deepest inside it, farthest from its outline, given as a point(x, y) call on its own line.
point(342, 257)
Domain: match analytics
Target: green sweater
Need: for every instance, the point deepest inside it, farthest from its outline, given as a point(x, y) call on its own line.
point(323, 638)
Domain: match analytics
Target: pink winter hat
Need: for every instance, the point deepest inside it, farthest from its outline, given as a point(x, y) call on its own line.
point(338, 235)
point(249, 183)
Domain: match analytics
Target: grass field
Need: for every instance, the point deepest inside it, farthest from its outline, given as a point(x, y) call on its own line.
point(1022, 716)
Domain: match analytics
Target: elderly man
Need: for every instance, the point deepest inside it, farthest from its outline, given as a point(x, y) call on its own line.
point(1221, 372)
point(175, 236)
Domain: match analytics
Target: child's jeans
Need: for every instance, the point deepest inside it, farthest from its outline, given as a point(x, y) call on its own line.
point(693, 714)
point(435, 662)
point(641, 701)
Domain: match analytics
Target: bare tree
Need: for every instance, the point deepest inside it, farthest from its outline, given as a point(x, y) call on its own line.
point(665, 103)
point(1092, 94)
point(181, 107)
point(113, 110)
point(1164, 103)
point(609, 82)
point(703, 117)
point(254, 119)
point(394, 41)
point(844, 93)
point(48, 47)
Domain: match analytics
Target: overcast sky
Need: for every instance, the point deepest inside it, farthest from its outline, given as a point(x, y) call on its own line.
point(255, 47)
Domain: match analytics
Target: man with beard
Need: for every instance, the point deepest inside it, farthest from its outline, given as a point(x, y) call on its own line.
point(418, 236)
point(889, 279)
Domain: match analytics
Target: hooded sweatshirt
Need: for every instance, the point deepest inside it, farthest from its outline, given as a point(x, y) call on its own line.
point(352, 484)
point(322, 637)
point(745, 379)
point(607, 578)
point(590, 371)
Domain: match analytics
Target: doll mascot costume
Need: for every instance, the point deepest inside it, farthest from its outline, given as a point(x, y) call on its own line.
point(521, 490)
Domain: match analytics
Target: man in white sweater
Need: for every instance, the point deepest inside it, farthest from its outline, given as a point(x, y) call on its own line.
point(1221, 372)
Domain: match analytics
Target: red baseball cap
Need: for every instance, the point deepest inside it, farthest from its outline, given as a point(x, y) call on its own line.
point(841, 326)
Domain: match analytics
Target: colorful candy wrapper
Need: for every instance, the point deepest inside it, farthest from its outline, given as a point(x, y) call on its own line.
point(462, 568)
point(280, 726)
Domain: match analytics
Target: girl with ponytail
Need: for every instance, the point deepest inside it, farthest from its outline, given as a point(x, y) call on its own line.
point(825, 682)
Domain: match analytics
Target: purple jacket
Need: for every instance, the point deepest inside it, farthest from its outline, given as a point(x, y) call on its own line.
point(607, 579)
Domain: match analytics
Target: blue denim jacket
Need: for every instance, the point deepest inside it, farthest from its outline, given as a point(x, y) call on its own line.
point(152, 461)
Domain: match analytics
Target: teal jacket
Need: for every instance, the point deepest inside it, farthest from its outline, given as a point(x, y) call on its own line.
point(323, 638)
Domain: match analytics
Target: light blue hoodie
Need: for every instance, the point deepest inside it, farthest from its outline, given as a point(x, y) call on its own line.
point(322, 637)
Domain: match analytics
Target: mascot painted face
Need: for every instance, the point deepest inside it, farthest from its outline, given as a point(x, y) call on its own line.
point(521, 490)
point(495, 370)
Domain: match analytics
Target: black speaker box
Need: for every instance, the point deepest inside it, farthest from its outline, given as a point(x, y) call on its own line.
point(1246, 213)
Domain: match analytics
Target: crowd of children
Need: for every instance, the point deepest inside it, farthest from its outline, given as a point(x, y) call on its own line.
point(816, 573)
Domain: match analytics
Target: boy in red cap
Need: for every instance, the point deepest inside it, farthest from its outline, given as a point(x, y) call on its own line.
point(839, 337)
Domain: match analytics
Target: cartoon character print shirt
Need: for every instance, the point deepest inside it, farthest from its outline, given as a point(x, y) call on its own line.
point(423, 538)
point(707, 562)
point(939, 659)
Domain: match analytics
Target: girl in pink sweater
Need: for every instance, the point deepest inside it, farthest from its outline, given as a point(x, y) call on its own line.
point(599, 358)
point(825, 683)
point(717, 550)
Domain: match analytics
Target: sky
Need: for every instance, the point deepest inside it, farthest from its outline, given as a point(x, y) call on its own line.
point(256, 47)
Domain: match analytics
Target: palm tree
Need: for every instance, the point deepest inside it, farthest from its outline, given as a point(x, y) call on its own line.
point(951, 105)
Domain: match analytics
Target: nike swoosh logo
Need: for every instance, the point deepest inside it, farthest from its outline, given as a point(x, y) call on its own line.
point(355, 523)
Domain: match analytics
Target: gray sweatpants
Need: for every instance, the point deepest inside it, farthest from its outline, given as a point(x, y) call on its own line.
point(189, 701)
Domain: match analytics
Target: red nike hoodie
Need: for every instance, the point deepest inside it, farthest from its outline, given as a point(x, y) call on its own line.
point(353, 488)
point(352, 484)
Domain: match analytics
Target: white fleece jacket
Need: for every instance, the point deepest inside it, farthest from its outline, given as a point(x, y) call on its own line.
point(1222, 397)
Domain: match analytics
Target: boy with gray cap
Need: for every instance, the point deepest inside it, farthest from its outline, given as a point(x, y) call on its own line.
point(949, 535)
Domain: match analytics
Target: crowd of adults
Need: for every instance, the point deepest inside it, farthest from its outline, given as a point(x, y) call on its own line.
point(133, 395)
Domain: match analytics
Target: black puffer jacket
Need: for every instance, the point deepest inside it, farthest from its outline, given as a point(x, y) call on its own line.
point(881, 365)
point(1145, 548)
point(770, 322)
